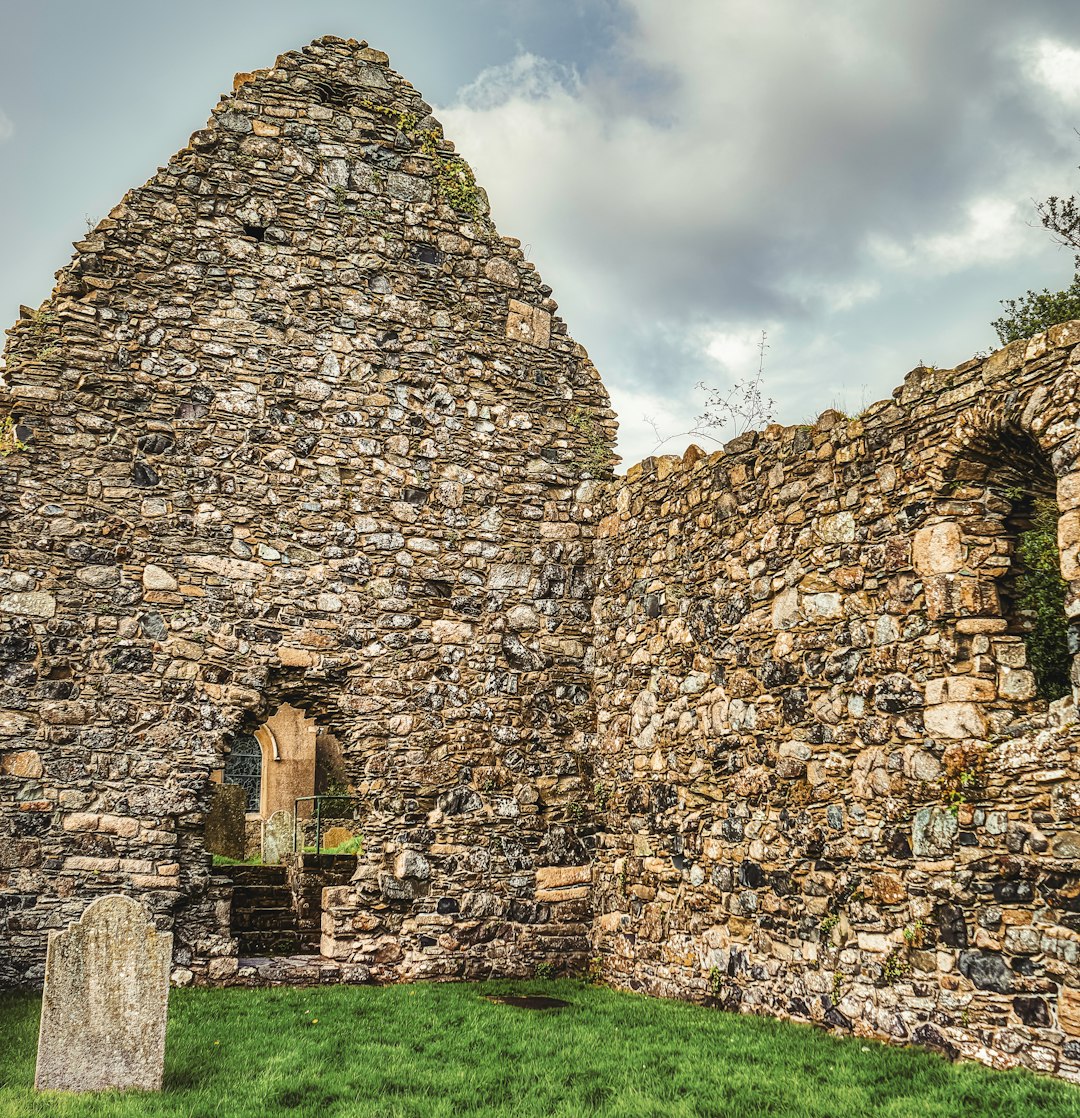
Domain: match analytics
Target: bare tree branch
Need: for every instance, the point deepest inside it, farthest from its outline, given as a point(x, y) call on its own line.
point(742, 407)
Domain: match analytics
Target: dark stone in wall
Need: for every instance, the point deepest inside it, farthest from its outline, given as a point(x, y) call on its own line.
point(1032, 1011)
point(987, 971)
point(929, 1037)
point(952, 926)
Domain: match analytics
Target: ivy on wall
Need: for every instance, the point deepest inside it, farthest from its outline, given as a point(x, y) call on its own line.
point(1041, 601)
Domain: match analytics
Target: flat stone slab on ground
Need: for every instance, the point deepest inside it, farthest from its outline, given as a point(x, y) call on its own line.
point(335, 836)
point(106, 1000)
point(299, 970)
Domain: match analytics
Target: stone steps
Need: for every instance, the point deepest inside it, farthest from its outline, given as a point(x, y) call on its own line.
point(277, 910)
point(279, 941)
point(255, 875)
point(264, 914)
point(247, 899)
point(333, 863)
point(316, 872)
point(261, 919)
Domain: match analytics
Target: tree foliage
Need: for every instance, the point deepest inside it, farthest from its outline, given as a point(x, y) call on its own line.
point(1061, 217)
point(1039, 310)
point(1041, 601)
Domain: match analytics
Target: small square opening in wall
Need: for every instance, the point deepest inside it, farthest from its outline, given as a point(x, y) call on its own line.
point(337, 95)
point(528, 324)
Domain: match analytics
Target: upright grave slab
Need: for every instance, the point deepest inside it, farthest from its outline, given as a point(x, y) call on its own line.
point(277, 837)
point(225, 822)
point(105, 1004)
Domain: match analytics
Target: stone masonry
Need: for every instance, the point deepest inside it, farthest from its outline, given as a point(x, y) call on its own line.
point(297, 425)
point(754, 728)
point(829, 790)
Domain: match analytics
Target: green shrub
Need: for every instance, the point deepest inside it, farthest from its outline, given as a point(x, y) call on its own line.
point(1037, 311)
point(1041, 600)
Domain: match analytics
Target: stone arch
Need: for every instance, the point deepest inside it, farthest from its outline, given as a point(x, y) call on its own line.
point(300, 730)
point(287, 739)
point(998, 471)
point(298, 743)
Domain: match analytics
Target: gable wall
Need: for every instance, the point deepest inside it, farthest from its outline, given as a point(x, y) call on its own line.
point(301, 427)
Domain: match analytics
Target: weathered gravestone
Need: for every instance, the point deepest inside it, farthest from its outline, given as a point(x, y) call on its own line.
point(336, 836)
point(277, 837)
point(225, 822)
point(106, 1000)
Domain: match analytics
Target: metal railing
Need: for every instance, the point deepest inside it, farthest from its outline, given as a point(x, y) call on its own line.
point(318, 801)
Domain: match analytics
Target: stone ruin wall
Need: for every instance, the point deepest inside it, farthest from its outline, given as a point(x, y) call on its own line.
point(830, 792)
point(300, 426)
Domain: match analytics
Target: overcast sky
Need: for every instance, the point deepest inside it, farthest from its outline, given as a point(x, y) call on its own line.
point(854, 177)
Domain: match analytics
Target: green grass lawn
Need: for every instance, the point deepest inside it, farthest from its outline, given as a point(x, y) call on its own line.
point(444, 1050)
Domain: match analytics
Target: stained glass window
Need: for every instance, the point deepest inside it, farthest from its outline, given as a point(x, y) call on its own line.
point(243, 766)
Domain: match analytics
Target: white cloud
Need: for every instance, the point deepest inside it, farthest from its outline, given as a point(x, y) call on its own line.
point(652, 421)
point(7, 127)
point(1056, 66)
point(845, 295)
point(833, 296)
point(527, 77)
point(781, 164)
point(737, 351)
point(994, 231)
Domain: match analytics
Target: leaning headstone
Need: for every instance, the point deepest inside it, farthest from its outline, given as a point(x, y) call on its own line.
point(225, 822)
point(105, 1003)
point(277, 837)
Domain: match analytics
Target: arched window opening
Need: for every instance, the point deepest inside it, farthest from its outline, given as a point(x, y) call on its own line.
point(243, 766)
point(285, 757)
point(1015, 490)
